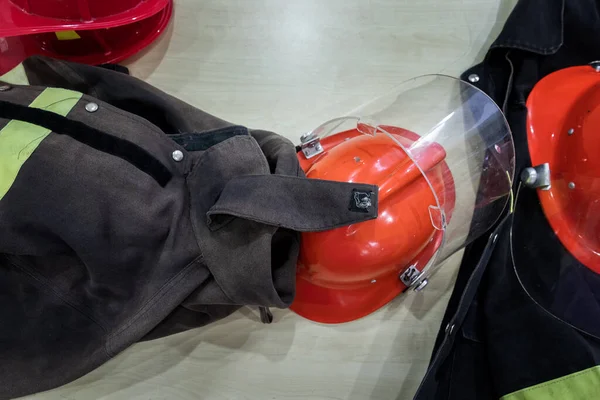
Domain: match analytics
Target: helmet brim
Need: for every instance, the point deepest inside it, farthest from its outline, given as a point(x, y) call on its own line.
point(16, 22)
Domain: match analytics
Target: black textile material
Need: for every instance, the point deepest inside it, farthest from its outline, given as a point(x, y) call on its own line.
point(202, 141)
point(503, 340)
point(127, 93)
point(296, 195)
point(441, 359)
point(90, 136)
point(95, 256)
point(115, 67)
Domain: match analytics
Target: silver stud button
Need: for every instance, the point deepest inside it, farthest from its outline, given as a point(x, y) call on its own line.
point(571, 185)
point(177, 155)
point(570, 131)
point(4, 88)
point(91, 107)
point(473, 78)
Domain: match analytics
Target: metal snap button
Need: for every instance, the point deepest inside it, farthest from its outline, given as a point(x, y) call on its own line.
point(473, 78)
point(177, 155)
point(91, 107)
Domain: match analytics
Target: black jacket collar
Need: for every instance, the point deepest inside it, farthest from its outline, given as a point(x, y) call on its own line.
point(543, 36)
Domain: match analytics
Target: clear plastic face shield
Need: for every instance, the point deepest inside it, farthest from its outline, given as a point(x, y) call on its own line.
point(438, 133)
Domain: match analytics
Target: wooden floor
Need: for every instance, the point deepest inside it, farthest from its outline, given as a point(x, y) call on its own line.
point(287, 66)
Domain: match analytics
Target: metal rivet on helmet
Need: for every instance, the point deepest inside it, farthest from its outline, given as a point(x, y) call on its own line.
point(537, 177)
point(421, 285)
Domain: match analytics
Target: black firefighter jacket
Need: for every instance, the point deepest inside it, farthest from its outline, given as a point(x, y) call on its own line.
point(126, 214)
point(523, 322)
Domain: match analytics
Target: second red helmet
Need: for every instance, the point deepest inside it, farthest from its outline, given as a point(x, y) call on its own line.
point(86, 31)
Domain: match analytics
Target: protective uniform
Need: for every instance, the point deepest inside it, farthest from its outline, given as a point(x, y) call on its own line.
point(85, 31)
point(442, 155)
point(523, 321)
point(127, 214)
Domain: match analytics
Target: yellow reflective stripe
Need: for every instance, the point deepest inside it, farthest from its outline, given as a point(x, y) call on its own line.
point(18, 139)
point(16, 76)
point(67, 35)
point(579, 385)
point(59, 101)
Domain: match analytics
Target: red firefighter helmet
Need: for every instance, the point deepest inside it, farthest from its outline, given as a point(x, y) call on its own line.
point(563, 121)
point(442, 156)
point(87, 31)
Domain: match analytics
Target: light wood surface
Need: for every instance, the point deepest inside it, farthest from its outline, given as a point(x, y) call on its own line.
point(288, 66)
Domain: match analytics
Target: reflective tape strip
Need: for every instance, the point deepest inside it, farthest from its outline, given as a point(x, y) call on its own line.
point(579, 385)
point(18, 139)
point(67, 35)
point(16, 76)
